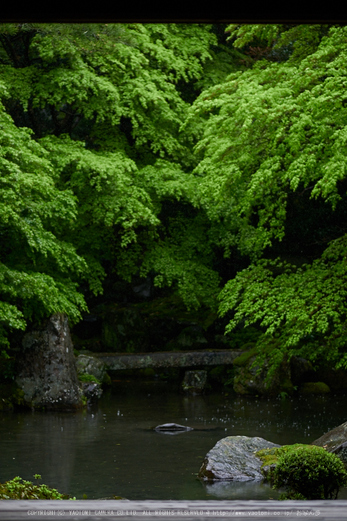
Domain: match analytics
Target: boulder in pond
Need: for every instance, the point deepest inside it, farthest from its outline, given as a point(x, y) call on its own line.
point(87, 364)
point(335, 441)
point(47, 369)
point(249, 380)
point(172, 428)
point(233, 459)
point(91, 390)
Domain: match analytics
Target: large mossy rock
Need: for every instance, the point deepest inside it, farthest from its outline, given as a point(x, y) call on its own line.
point(87, 364)
point(47, 369)
point(335, 441)
point(233, 459)
point(91, 374)
point(248, 380)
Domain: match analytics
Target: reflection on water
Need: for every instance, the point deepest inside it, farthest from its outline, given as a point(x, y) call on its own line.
point(112, 449)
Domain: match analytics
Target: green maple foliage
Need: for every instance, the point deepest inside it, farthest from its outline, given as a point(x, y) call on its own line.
point(39, 271)
point(274, 141)
point(91, 149)
point(172, 151)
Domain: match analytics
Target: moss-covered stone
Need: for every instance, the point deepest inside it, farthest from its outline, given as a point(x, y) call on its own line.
point(251, 379)
point(269, 457)
point(234, 458)
point(314, 388)
point(243, 359)
point(88, 378)
point(86, 364)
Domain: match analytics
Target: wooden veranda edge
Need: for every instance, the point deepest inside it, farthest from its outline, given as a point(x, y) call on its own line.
point(100, 510)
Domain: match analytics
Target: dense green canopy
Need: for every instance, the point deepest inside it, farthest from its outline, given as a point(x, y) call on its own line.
point(90, 149)
point(273, 169)
point(212, 161)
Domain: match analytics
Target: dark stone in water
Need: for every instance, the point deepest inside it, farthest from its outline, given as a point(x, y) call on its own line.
point(172, 428)
point(88, 364)
point(91, 390)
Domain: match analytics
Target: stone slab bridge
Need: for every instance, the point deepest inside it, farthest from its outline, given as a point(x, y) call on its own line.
point(121, 361)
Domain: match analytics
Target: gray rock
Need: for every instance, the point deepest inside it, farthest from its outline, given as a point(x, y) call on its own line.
point(233, 459)
point(91, 390)
point(87, 364)
point(194, 382)
point(335, 441)
point(47, 370)
point(341, 452)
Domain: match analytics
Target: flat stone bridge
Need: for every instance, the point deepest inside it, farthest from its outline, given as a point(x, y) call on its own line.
point(121, 361)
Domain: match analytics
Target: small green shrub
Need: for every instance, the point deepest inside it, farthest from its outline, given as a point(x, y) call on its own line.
point(309, 472)
point(18, 488)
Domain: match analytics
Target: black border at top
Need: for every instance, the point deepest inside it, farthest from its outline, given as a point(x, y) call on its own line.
point(218, 11)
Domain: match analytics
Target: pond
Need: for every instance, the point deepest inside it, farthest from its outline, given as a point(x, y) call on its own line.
point(111, 448)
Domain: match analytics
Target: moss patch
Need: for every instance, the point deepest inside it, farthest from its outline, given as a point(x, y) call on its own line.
point(269, 457)
point(88, 378)
point(311, 472)
point(314, 388)
point(243, 359)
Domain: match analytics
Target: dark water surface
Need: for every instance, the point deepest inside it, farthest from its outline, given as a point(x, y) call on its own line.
point(111, 449)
